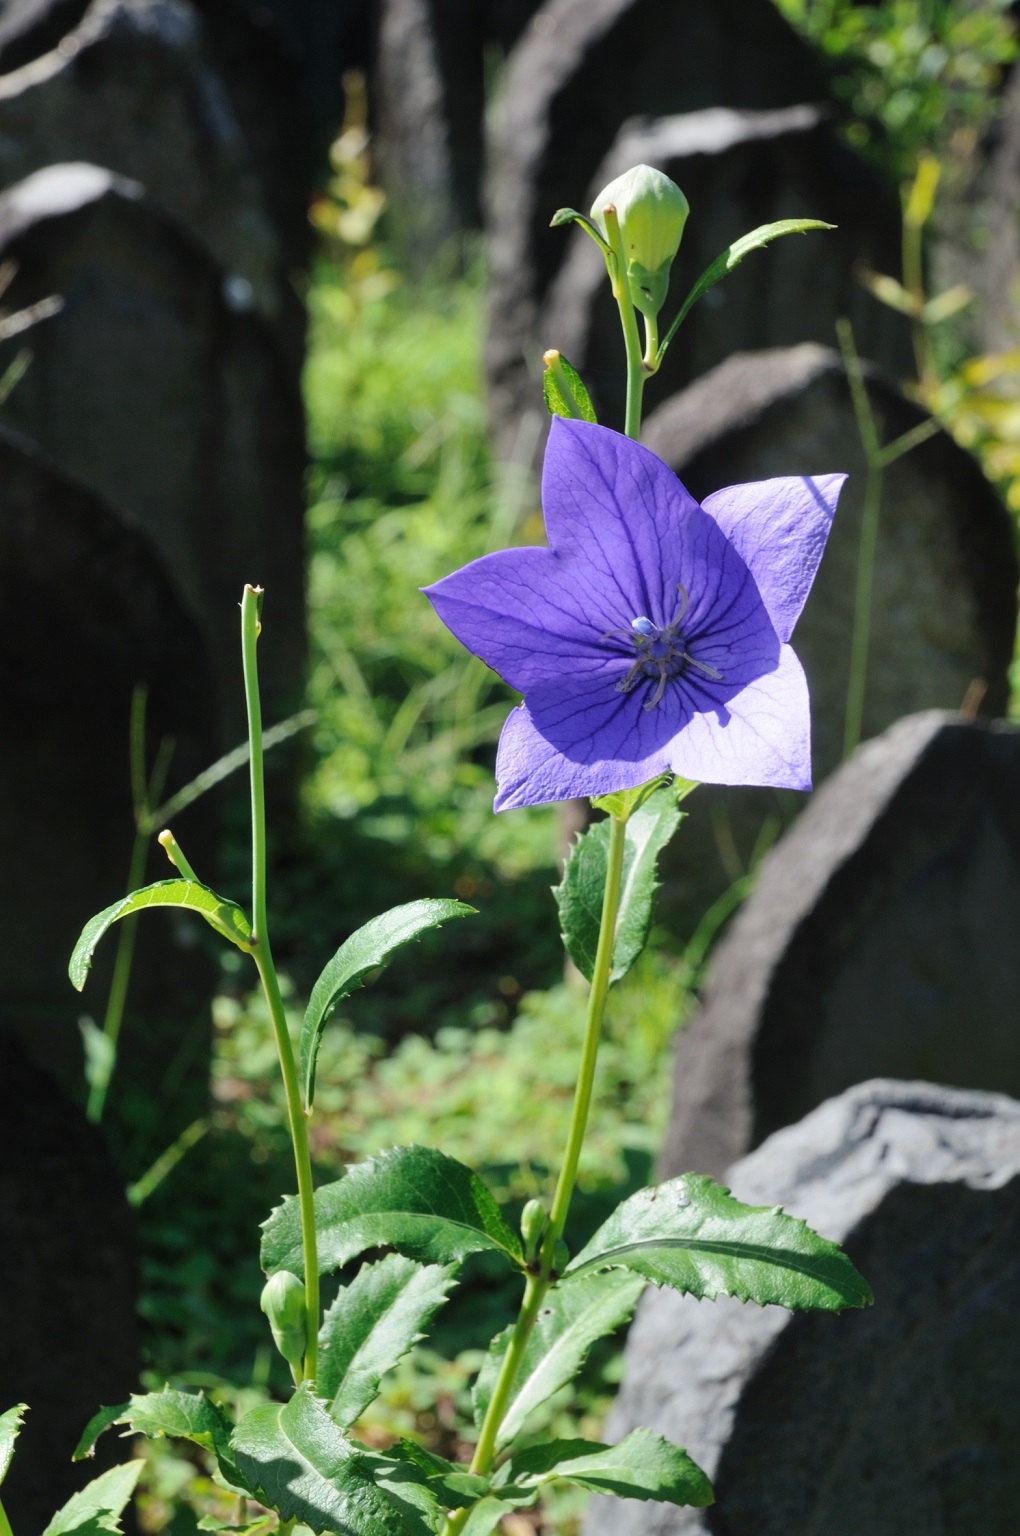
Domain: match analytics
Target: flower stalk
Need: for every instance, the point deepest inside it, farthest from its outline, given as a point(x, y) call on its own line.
point(250, 628)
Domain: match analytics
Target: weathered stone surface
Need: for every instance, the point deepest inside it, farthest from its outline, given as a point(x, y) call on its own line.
point(944, 610)
point(210, 133)
point(68, 1287)
point(902, 1418)
point(160, 391)
point(88, 614)
point(739, 170)
point(581, 70)
point(429, 101)
point(883, 938)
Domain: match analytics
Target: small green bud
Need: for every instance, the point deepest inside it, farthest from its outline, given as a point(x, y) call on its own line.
point(652, 212)
point(283, 1302)
point(532, 1228)
point(561, 1256)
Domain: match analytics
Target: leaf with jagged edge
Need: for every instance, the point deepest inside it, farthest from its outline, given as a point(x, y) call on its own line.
point(643, 1466)
point(579, 896)
point(10, 1424)
point(98, 1423)
point(567, 396)
point(294, 1459)
point(98, 1506)
point(424, 1204)
point(731, 256)
point(371, 1325)
point(571, 1319)
point(172, 1415)
point(225, 916)
point(692, 1235)
point(454, 1485)
point(369, 948)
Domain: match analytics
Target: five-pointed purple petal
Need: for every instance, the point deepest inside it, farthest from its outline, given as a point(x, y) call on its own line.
point(703, 683)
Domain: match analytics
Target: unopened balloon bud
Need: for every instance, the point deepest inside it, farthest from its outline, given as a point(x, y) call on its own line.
point(532, 1228)
point(283, 1302)
point(652, 212)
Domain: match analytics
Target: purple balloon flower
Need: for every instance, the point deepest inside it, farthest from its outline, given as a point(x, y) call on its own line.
point(652, 634)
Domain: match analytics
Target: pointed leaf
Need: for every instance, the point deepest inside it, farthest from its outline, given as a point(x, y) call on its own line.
point(455, 1486)
point(487, 1514)
point(732, 255)
point(415, 1199)
point(365, 951)
point(692, 1235)
point(97, 1507)
point(579, 897)
point(10, 1424)
point(623, 802)
point(643, 1466)
point(564, 390)
point(297, 1461)
point(98, 1423)
point(371, 1325)
point(225, 916)
point(570, 1321)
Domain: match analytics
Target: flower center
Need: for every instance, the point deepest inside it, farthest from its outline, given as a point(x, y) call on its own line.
point(660, 652)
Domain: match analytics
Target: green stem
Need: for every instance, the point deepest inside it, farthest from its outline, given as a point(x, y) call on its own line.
point(636, 373)
point(861, 640)
point(537, 1285)
point(5, 1524)
point(117, 1000)
point(262, 955)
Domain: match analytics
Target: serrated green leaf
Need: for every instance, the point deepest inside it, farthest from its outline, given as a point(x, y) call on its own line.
point(579, 897)
point(178, 1416)
point(10, 1424)
point(692, 1235)
point(225, 916)
point(98, 1506)
point(414, 1199)
point(294, 1459)
point(98, 1423)
point(371, 1325)
point(731, 256)
point(364, 952)
point(564, 390)
point(570, 1321)
point(643, 1466)
point(455, 1485)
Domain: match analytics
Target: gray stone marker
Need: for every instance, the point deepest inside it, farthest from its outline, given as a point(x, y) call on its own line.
point(944, 611)
point(898, 1419)
point(68, 1288)
point(137, 86)
point(161, 390)
point(88, 614)
point(739, 170)
point(580, 71)
point(883, 938)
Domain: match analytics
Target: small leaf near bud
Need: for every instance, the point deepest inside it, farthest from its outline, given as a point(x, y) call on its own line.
point(652, 212)
point(532, 1228)
point(561, 1256)
point(283, 1302)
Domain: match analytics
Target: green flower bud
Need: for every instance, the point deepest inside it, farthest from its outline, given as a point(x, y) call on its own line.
point(652, 212)
point(283, 1302)
point(532, 1228)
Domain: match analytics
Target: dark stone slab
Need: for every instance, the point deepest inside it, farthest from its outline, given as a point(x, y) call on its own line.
point(739, 170)
point(944, 611)
point(901, 1418)
point(88, 615)
point(206, 117)
point(883, 938)
point(429, 101)
point(68, 1288)
point(581, 70)
point(157, 388)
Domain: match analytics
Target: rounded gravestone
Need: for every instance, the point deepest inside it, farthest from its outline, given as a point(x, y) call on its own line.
point(580, 71)
point(944, 608)
point(159, 388)
point(883, 938)
point(898, 1419)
